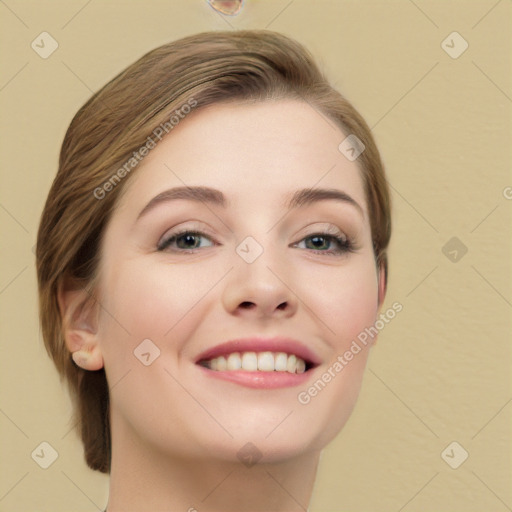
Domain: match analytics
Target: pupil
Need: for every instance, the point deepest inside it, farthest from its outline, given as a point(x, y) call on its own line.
point(189, 240)
point(318, 241)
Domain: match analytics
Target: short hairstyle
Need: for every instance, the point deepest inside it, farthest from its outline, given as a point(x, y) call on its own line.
point(113, 126)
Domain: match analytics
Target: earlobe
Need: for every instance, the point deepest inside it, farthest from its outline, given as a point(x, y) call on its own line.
point(79, 313)
point(88, 359)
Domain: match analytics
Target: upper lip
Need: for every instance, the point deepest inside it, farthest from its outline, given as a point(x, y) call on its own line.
point(258, 344)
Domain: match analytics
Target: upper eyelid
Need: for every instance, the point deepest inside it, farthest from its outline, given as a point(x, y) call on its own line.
point(197, 228)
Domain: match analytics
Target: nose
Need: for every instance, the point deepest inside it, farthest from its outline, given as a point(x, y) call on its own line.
point(261, 289)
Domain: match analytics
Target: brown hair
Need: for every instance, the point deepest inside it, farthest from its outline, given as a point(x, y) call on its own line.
point(119, 120)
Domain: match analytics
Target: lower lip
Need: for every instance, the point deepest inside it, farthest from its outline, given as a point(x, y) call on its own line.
point(259, 379)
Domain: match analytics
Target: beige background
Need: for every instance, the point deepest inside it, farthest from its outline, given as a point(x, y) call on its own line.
point(441, 370)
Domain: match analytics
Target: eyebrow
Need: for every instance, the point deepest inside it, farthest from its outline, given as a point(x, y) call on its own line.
point(207, 195)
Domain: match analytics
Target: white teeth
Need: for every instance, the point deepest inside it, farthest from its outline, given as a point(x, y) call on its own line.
point(249, 361)
point(234, 361)
point(280, 361)
point(262, 361)
point(266, 361)
point(221, 364)
point(291, 364)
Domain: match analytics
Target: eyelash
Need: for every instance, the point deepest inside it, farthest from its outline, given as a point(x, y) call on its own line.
point(345, 244)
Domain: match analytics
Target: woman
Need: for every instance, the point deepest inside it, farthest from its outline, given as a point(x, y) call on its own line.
point(209, 255)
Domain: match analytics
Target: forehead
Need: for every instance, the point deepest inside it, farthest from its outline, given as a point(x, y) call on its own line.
point(253, 152)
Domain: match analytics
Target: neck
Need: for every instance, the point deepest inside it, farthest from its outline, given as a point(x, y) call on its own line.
point(145, 479)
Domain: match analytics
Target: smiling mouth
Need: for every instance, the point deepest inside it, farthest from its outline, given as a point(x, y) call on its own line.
point(280, 362)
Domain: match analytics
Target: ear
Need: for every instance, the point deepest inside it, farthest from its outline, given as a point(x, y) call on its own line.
point(382, 283)
point(79, 313)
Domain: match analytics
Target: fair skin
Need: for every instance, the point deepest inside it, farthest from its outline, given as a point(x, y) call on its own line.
point(176, 431)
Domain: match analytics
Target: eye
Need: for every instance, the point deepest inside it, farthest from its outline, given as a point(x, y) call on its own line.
point(323, 242)
point(184, 241)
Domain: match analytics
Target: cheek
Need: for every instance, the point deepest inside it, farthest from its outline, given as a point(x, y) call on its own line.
point(152, 301)
point(345, 299)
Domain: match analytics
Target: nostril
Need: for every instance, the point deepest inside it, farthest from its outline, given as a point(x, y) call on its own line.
point(247, 305)
point(282, 305)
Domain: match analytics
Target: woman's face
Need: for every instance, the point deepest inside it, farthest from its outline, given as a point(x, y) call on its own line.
point(253, 267)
